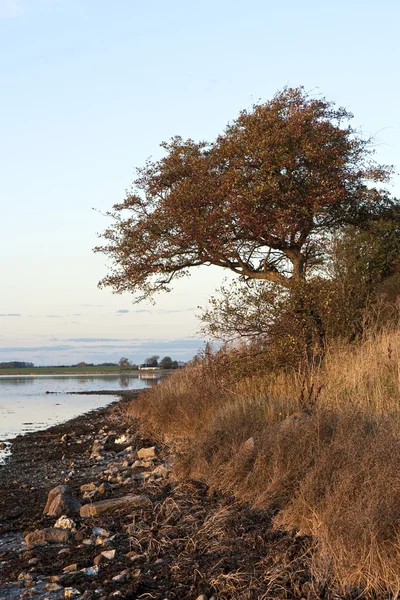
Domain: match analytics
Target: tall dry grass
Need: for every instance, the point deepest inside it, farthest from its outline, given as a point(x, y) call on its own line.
point(331, 472)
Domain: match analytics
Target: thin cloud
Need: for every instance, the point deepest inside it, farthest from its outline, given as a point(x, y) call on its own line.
point(10, 315)
point(93, 305)
point(36, 348)
point(122, 311)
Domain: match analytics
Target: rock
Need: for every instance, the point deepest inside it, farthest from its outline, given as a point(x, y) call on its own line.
point(50, 535)
point(53, 587)
point(91, 571)
point(71, 593)
point(99, 559)
point(109, 506)
point(146, 464)
point(121, 577)
point(65, 523)
point(100, 531)
point(109, 554)
point(66, 437)
point(147, 452)
point(100, 541)
point(160, 472)
point(103, 488)
point(88, 487)
point(61, 502)
point(202, 597)
point(70, 568)
point(60, 489)
point(121, 440)
point(2, 446)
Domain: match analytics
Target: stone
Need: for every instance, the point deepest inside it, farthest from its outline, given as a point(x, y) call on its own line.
point(147, 452)
point(121, 577)
point(202, 597)
point(103, 488)
point(2, 446)
point(160, 472)
point(71, 593)
point(88, 487)
point(91, 571)
point(99, 559)
point(59, 489)
point(53, 587)
point(70, 568)
point(121, 440)
point(65, 522)
point(61, 502)
point(109, 554)
point(109, 506)
point(64, 505)
point(100, 531)
point(50, 535)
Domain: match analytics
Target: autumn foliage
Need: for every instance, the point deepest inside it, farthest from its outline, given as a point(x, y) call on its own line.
point(261, 200)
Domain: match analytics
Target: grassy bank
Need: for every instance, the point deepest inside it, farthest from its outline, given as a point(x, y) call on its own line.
point(321, 452)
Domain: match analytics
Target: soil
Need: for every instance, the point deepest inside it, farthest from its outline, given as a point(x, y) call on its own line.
point(187, 542)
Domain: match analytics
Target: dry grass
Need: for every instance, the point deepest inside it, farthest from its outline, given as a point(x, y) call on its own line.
point(332, 474)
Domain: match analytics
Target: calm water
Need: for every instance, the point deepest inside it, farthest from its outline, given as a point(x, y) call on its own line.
point(25, 406)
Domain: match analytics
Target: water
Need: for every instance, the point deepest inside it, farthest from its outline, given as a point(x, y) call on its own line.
point(25, 406)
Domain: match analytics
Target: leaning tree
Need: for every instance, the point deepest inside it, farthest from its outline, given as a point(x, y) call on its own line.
point(263, 200)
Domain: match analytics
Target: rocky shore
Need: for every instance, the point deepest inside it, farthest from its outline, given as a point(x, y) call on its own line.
point(90, 509)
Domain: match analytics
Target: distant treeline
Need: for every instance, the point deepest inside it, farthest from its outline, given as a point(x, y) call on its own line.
point(16, 364)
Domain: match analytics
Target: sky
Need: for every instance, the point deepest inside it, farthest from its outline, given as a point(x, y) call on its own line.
point(90, 88)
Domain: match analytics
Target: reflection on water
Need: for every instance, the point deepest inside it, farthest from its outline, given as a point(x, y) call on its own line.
point(25, 406)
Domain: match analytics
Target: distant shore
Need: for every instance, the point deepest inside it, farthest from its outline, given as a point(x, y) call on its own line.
point(35, 371)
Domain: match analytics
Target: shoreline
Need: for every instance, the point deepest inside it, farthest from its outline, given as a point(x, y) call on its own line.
point(186, 542)
point(60, 371)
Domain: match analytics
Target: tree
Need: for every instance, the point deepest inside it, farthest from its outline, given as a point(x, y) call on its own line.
point(152, 361)
point(263, 200)
point(167, 363)
point(124, 362)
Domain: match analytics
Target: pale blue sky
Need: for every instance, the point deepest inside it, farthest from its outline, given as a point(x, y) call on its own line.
point(88, 90)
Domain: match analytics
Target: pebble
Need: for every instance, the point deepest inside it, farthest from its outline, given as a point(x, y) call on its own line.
point(100, 531)
point(70, 568)
point(147, 452)
point(71, 593)
point(121, 577)
point(53, 587)
point(91, 571)
point(65, 522)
